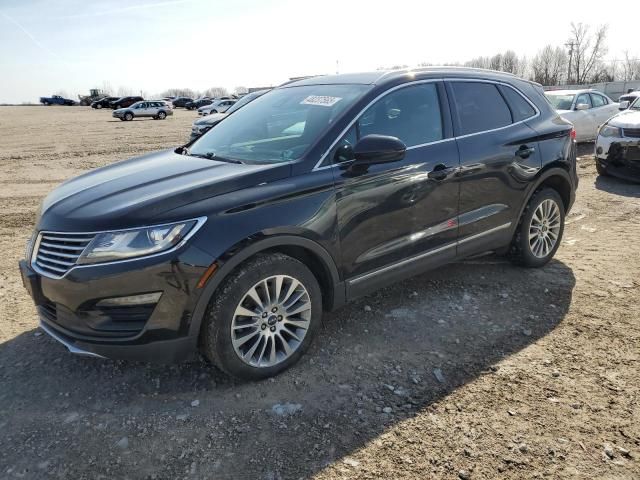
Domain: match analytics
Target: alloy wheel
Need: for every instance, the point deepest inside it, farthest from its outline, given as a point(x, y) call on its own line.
point(271, 321)
point(545, 228)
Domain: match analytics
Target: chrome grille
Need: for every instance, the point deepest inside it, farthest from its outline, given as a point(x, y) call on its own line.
point(632, 132)
point(57, 252)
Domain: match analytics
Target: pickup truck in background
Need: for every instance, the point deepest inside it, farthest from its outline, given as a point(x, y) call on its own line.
point(56, 100)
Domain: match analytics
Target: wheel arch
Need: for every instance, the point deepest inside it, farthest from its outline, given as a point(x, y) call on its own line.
point(307, 251)
point(556, 177)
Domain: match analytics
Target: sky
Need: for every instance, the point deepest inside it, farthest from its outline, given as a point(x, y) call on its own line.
point(150, 45)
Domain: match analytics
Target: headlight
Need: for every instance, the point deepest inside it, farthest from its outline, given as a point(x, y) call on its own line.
point(138, 242)
point(609, 131)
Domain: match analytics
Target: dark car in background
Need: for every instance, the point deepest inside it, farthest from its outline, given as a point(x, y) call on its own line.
point(199, 102)
point(181, 101)
point(204, 124)
point(56, 100)
point(312, 195)
point(103, 102)
point(124, 102)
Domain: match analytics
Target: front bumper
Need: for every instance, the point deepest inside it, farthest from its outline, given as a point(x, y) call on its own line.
point(619, 157)
point(160, 332)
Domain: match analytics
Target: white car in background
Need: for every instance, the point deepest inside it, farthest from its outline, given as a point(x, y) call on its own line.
point(218, 106)
point(586, 109)
point(618, 145)
point(627, 99)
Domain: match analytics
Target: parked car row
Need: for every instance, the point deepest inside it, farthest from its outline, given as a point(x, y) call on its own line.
point(203, 125)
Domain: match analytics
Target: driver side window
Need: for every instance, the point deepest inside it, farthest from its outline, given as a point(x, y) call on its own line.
point(411, 114)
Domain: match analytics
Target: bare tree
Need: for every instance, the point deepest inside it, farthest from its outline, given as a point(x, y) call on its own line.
point(587, 52)
point(124, 91)
point(630, 68)
point(240, 90)
point(549, 65)
point(495, 63)
point(107, 89)
point(510, 62)
point(179, 92)
point(216, 92)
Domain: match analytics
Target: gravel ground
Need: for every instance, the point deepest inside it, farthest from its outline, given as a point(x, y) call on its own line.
point(476, 370)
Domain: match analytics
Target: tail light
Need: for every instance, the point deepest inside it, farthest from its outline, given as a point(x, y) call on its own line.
point(573, 133)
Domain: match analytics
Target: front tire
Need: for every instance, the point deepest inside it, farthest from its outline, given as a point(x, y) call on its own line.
point(263, 317)
point(539, 232)
point(99, 106)
point(128, 116)
point(601, 168)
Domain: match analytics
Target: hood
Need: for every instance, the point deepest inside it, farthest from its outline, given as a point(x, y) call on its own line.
point(626, 119)
point(120, 110)
point(210, 119)
point(139, 191)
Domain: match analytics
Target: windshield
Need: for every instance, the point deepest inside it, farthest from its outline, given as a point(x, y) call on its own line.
point(279, 126)
point(246, 99)
point(636, 104)
point(560, 102)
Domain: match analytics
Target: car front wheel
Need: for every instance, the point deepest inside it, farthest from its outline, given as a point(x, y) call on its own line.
point(128, 116)
point(98, 106)
point(263, 317)
point(539, 232)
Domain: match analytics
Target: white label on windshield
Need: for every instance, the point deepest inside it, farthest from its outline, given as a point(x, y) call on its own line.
point(321, 100)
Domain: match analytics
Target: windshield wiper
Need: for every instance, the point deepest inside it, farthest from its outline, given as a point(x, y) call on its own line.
point(211, 156)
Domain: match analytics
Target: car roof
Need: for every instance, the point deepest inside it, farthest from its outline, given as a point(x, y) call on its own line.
point(383, 76)
point(571, 92)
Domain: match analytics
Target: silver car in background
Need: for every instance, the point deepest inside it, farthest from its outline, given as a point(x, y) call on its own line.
point(156, 109)
point(586, 109)
point(218, 106)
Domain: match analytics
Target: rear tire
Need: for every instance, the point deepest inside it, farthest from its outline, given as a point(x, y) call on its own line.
point(539, 232)
point(162, 115)
point(287, 302)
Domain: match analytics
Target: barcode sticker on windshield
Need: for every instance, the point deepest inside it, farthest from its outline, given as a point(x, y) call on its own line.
point(321, 100)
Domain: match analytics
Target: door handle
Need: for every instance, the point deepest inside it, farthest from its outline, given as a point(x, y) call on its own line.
point(525, 151)
point(440, 172)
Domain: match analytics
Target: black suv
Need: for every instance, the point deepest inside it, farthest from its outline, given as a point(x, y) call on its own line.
point(124, 102)
point(316, 193)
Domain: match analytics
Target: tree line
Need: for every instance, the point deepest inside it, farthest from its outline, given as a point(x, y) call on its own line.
point(581, 60)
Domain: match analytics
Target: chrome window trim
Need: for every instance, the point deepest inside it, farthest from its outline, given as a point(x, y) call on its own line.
point(496, 82)
point(431, 80)
point(428, 253)
point(200, 221)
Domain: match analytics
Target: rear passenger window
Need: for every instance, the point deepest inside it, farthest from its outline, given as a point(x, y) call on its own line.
point(411, 114)
point(479, 107)
point(520, 108)
point(598, 100)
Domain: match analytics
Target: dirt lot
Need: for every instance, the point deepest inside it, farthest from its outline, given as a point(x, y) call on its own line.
point(477, 370)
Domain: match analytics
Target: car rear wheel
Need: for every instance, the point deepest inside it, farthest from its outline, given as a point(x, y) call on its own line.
point(128, 116)
point(162, 115)
point(539, 232)
point(263, 317)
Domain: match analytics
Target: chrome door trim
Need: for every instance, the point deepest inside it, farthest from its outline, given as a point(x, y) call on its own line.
point(426, 254)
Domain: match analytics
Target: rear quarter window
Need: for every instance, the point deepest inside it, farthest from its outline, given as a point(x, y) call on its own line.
point(520, 108)
point(479, 107)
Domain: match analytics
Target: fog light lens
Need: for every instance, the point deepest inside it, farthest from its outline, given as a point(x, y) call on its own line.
point(142, 299)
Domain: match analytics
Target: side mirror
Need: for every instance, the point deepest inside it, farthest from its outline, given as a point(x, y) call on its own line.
point(623, 105)
point(378, 149)
point(582, 106)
